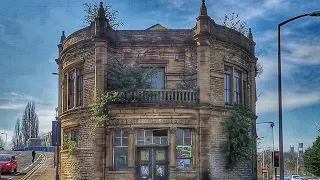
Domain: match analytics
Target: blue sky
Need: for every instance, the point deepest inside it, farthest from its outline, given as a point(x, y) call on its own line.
point(30, 31)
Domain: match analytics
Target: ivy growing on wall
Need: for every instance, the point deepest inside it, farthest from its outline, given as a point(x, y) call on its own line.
point(123, 80)
point(237, 129)
point(69, 144)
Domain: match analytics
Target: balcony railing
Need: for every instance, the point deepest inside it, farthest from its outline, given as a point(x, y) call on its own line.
point(162, 95)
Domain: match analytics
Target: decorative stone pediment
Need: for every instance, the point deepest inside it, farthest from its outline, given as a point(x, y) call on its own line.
point(158, 27)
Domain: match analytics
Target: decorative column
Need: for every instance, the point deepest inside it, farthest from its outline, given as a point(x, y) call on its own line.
point(172, 148)
point(131, 149)
point(109, 151)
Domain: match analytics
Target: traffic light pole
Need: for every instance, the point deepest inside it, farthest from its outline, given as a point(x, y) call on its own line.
point(275, 173)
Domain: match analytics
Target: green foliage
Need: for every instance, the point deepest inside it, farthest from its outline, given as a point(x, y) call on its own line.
point(125, 77)
point(123, 82)
point(237, 129)
point(91, 12)
point(311, 158)
point(234, 22)
point(69, 144)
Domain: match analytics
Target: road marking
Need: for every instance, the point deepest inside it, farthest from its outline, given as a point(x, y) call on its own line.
point(35, 168)
point(30, 166)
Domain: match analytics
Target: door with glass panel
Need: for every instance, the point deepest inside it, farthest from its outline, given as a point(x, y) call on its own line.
point(152, 163)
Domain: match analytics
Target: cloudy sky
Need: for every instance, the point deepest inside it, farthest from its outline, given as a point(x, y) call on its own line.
point(30, 31)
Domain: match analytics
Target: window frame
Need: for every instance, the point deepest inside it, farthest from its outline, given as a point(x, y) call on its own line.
point(80, 86)
point(237, 86)
point(157, 66)
point(228, 73)
point(71, 92)
point(119, 146)
point(183, 144)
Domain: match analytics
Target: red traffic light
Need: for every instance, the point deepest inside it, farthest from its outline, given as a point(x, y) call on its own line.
point(276, 154)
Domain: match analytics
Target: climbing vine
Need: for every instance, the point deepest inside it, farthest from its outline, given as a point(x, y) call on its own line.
point(69, 144)
point(237, 129)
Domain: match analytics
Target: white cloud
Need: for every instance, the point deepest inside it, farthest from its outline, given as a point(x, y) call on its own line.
point(15, 100)
point(46, 115)
point(301, 53)
point(293, 98)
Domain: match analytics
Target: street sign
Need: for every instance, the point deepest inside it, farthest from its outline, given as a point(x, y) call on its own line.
point(56, 133)
point(264, 171)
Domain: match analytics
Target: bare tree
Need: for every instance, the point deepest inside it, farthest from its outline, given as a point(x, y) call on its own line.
point(233, 21)
point(30, 122)
point(2, 143)
point(17, 139)
point(91, 10)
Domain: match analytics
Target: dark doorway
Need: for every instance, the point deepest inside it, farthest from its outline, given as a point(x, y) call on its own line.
point(152, 163)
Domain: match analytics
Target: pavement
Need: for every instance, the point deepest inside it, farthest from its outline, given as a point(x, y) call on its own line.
point(46, 171)
point(42, 169)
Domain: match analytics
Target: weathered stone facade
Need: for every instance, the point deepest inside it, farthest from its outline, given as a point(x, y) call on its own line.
point(200, 54)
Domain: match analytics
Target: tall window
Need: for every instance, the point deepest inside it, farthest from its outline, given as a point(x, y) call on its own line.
point(157, 80)
point(71, 89)
point(74, 136)
point(237, 87)
point(80, 87)
point(245, 90)
point(120, 149)
point(227, 85)
point(183, 149)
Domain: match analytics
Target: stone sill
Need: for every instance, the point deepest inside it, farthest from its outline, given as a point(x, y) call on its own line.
point(120, 172)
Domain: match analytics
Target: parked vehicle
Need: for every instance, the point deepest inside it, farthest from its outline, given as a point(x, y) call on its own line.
point(303, 178)
point(294, 177)
point(0, 170)
point(8, 163)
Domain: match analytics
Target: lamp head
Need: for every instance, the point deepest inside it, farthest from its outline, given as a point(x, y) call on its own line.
point(316, 13)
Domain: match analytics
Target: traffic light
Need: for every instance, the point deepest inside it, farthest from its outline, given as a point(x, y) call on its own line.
point(276, 159)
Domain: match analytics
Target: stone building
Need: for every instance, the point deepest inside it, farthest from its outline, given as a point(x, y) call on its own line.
point(177, 135)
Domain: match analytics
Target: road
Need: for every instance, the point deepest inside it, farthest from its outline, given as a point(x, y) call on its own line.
point(24, 164)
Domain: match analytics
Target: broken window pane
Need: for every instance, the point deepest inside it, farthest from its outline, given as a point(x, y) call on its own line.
point(120, 158)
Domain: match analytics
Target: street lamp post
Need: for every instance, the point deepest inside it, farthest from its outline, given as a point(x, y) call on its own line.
point(271, 125)
point(6, 138)
point(317, 13)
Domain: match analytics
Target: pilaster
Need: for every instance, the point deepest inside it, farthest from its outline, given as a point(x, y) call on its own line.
point(172, 148)
point(203, 70)
point(101, 55)
point(131, 150)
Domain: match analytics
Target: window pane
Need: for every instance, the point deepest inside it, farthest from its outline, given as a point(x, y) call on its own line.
point(160, 170)
point(117, 133)
point(183, 152)
point(144, 155)
point(187, 141)
point(120, 158)
point(156, 140)
point(179, 137)
point(140, 137)
point(160, 155)
point(183, 164)
point(144, 170)
point(187, 133)
point(164, 140)
point(125, 133)
point(71, 89)
point(124, 141)
point(117, 141)
point(157, 80)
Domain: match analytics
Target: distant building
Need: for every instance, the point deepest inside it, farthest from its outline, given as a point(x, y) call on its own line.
point(291, 149)
point(34, 142)
point(47, 140)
